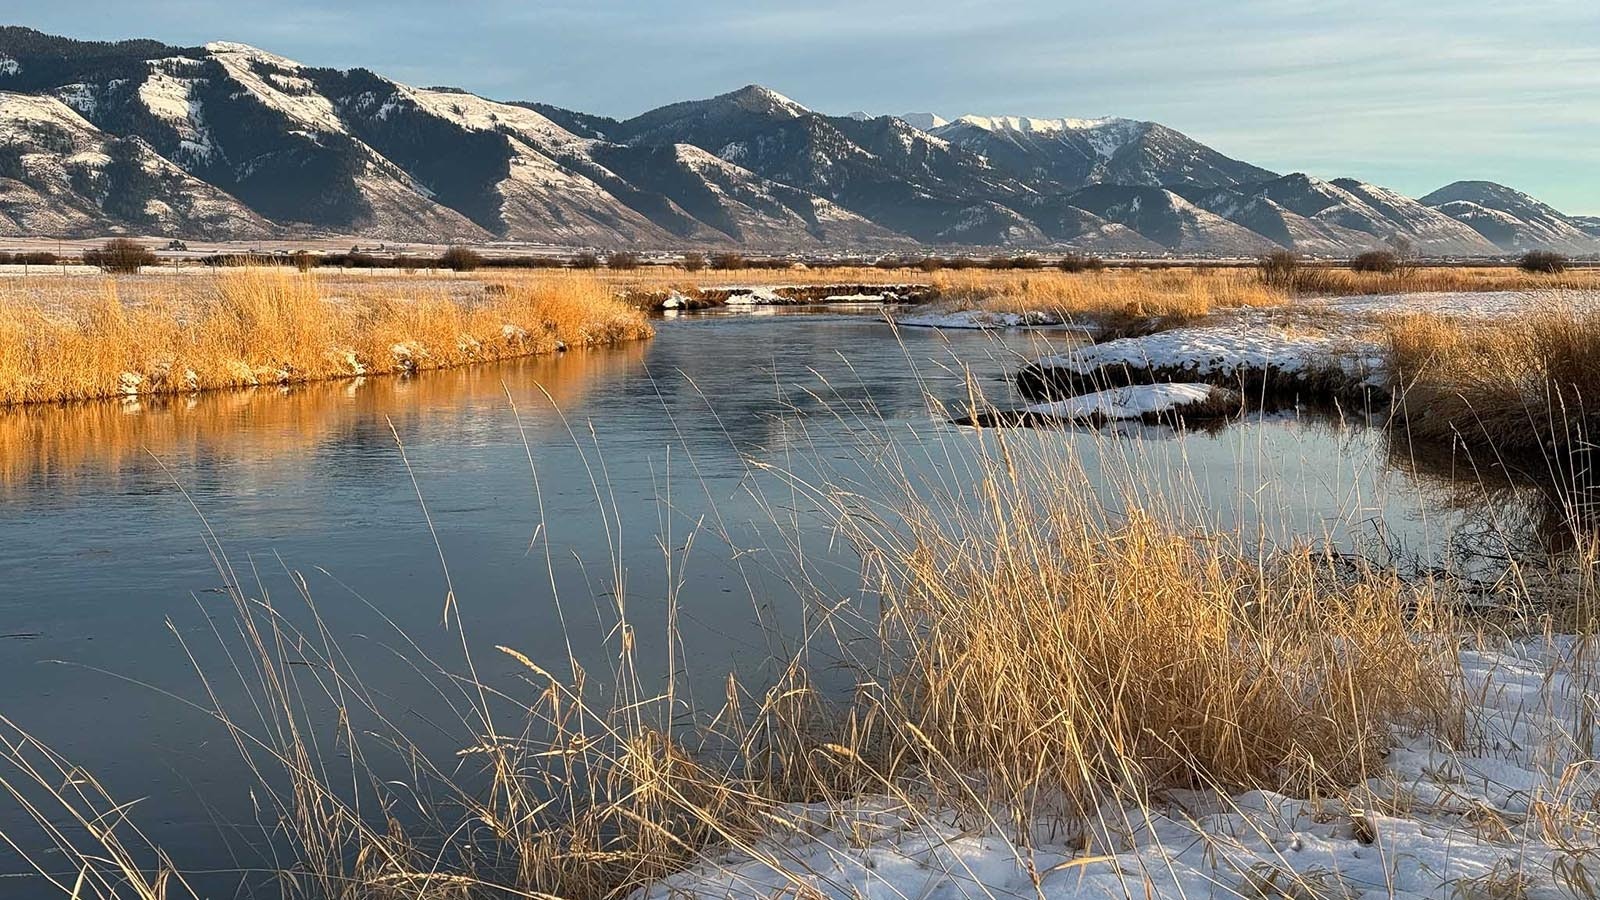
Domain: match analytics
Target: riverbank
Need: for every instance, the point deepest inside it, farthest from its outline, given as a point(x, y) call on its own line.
point(78, 340)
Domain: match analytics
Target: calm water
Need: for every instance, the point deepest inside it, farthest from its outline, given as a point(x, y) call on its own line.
point(107, 585)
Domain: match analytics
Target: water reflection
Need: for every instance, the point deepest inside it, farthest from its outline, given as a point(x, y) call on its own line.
point(1516, 512)
point(66, 447)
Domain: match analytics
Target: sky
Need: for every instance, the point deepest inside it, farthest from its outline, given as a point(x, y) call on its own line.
point(1411, 94)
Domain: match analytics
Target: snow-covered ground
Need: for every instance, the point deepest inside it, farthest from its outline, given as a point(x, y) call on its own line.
point(1463, 304)
point(977, 319)
point(1132, 402)
point(1223, 352)
point(1508, 814)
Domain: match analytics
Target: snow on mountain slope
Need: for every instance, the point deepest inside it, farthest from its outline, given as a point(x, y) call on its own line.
point(1259, 211)
point(1040, 126)
point(1078, 152)
point(258, 123)
point(1168, 219)
point(1514, 221)
point(61, 175)
point(1433, 231)
point(532, 195)
point(566, 188)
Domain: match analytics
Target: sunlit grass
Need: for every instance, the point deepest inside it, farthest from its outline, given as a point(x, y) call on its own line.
point(254, 326)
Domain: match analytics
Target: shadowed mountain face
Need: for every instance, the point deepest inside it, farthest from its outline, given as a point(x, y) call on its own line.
point(230, 141)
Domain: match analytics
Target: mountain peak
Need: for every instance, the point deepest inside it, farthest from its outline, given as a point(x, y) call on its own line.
point(1477, 192)
point(254, 54)
point(758, 98)
point(924, 121)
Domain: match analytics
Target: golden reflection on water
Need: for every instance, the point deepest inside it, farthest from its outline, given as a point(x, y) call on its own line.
point(54, 445)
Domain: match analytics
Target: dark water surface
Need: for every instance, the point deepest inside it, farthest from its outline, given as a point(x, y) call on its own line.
point(107, 585)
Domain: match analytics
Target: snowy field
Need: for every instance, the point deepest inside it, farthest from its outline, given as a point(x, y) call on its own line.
point(1511, 813)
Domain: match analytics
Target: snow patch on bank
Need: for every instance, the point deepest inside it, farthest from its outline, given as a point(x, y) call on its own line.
point(1223, 352)
point(1461, 304)
point(1132, 402)
point(1503, 817)
point(979, 319)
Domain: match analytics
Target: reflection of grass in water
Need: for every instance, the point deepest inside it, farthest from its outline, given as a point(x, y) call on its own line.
point(62, 440)
point(262, 327)
point(1530, 538)
point(1030, 648)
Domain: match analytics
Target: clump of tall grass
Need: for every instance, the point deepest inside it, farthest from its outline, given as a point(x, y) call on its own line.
point(1049, 643)
point(256, 326)
point(1527, 387)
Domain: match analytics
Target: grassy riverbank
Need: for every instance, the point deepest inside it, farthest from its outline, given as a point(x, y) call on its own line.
point(249, 327)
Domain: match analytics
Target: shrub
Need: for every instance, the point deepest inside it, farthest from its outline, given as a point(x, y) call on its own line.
point(460, 259)
point(931, 264)
point(962, 262)
point(1278, 268)
point(622, 259)
point(1027, 262)
point(5, 258)
point(304, 260)
point(1074, 262)
point(889, 262)
point(1381, 261)
point(1543, 262)
point(120, 256)
point(355, 259)
point(586, 260)
point(728, 261)
point(37, 258)
point(694, 262)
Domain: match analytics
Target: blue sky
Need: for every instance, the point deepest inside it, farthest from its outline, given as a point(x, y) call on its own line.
point(1408, 94)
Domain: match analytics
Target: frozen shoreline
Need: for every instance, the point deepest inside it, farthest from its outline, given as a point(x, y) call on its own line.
point(1506, 809)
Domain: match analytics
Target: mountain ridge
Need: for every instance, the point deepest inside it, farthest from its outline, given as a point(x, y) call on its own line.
point(230, 140)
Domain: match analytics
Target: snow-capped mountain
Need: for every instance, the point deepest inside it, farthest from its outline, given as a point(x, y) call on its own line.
point(1511, 219)
point(1079, 152)
point(228, 140)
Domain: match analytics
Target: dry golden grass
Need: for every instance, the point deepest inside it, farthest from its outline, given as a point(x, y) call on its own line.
point(1050, 644)
point(267, 326)
point(1173, 294)
point(1433, 279)
point(1522, 387)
